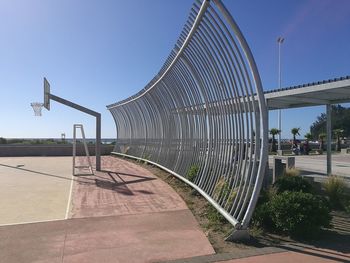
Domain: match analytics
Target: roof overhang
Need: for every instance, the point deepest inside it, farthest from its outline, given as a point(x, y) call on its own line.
point(333, 92)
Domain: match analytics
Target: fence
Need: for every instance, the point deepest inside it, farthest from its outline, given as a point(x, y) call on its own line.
point(203, 116)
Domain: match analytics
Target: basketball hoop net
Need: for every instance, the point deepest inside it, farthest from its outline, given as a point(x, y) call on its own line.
point(37, 106)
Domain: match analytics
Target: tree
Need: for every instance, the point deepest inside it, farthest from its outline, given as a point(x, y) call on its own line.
point(321, 137)
point(295, 132)
point(274, 132)
point(338, 133)
point(340, 120)
point(308, 137)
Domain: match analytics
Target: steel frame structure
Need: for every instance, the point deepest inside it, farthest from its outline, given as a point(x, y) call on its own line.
point(204, 110)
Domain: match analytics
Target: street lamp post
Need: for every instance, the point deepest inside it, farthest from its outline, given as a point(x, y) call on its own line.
point(279, 41)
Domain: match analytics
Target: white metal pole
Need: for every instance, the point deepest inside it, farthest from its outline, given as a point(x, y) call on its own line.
point(279, 41)
point(329, 139)
point(74, 147)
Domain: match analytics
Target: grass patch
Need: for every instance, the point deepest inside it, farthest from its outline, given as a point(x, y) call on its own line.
point(335, 190)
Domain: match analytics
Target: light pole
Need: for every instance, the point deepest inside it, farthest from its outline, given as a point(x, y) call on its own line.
point(279, 41)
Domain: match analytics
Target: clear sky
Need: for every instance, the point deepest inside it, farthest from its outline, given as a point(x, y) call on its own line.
point(98, 52)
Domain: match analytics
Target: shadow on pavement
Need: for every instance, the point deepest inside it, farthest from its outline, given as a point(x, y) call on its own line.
point(18, 167)
point(118, 182)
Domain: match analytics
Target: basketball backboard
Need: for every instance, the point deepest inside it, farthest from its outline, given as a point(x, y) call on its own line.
point(46, 94)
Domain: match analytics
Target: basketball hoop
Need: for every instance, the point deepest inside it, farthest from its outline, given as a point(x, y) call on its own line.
point(37, 106)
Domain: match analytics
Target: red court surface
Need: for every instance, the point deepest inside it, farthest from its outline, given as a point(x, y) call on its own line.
point(122, 188)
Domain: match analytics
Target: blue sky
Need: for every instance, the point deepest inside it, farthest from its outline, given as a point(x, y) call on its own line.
point(98, 52)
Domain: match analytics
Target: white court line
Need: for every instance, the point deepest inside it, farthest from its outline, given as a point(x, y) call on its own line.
point(70, 196)
point(32, 222)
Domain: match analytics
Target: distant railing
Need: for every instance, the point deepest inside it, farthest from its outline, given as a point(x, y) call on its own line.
point(203, 116)
point(7, 150)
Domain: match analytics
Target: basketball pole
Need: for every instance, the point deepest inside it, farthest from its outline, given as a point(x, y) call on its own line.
point(98, 124)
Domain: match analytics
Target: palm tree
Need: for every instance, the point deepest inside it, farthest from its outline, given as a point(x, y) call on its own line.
point(321, 137)
point(338, 133)
point(308, 137)
point(274, 132)
point(295, 132)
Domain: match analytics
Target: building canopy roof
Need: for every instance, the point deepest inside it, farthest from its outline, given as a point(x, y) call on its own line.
point(333, 91)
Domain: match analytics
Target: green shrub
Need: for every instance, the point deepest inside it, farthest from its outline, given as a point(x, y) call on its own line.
point(347, 207)
point(262, 216)
point(335, 190)
point(292, 183)
point(298, 214)
point(192, 173)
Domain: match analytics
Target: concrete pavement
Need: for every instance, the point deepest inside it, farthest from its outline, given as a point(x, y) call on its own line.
point(122, 214)
point(34, 188)
point(318, 163)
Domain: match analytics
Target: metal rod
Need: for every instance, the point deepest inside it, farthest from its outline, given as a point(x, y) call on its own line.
point(98, 124)
point(98, 142)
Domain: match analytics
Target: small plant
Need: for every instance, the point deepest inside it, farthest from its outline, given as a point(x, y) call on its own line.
point(147, 157)
point(232, 196)
point(124, 149)
point(214, 217)
point(291, 172)
point(192, 173)
point(221, 189)
point(335, 190)
point(292, 183)
point(230, 199)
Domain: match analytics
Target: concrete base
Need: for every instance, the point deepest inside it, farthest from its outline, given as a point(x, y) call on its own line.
point(238, 235)
point(345, 150)
point(280, 164)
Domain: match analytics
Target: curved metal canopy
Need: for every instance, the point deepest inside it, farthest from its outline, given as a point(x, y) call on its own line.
point(182, 121)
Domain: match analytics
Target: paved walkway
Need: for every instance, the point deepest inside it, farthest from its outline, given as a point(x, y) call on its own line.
point(123, 214)
point(318, 163)
point(122, 188)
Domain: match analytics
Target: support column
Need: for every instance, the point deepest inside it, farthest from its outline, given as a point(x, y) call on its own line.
point(98, 142)
point(329, 139)
point(280, 133)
